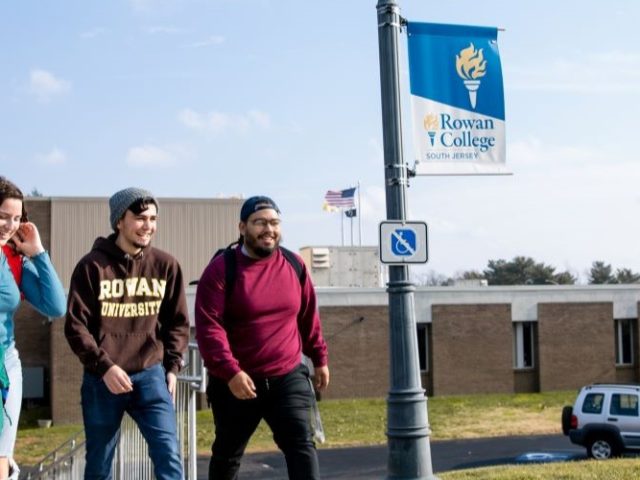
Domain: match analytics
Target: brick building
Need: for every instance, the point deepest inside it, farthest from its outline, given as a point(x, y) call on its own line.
point(488, 339)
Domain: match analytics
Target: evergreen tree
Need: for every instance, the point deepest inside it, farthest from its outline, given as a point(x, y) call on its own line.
point(524, 271)
point(600, 273)
point(625, 275)
point(565, 278)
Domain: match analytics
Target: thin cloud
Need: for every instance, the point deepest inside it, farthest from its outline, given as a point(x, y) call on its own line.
point(595, 172)
point(533, 152)
point(615, 72)
point(151, 156)
point(94, 32)
point(163, 30)
point(212, 40)
point(143, 5)
point(376, 151)
point(259, 118)
point(373, 203)
point(55, 157)
point(45, 85)
point(219, 122)
point(154, 6)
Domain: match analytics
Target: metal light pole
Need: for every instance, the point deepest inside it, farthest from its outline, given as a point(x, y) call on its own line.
point(408, 432)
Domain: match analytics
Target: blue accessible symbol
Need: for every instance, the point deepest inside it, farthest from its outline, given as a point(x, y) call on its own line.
point(403, 242)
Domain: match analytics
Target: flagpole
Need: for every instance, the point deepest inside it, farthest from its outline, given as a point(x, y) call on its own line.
point(359, 212)
point(350, 210)
point(342, 225)
point(351, 219)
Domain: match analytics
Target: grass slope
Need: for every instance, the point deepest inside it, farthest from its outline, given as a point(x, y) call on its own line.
point(362, 422)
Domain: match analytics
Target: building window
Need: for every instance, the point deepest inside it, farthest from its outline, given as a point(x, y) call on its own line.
point(523, 344)
point(423, 346)
point(624, 341)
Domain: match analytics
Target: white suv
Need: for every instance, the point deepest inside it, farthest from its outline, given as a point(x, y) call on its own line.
point(604, 419)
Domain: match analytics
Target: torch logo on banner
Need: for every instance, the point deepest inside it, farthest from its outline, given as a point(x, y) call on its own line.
point(471, 66)
point(430, 122)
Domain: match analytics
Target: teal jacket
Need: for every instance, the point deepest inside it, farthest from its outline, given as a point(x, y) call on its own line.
point(41, 287)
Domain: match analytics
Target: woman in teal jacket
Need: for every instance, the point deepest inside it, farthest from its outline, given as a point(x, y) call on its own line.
point(40, 286)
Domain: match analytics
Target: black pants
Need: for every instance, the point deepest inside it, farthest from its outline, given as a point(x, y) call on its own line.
point(284, 402)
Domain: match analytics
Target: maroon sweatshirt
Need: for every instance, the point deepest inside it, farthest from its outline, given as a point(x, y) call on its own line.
point(271, 319)
point(128, 311)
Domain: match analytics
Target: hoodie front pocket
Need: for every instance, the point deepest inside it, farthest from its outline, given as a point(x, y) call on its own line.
point(130, 351)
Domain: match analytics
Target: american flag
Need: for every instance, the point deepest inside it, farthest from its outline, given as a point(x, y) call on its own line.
point(341, 198)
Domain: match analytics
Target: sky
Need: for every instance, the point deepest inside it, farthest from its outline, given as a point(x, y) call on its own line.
point(219, 98)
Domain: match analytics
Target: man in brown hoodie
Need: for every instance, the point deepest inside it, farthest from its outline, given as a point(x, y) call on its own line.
point(127, 321)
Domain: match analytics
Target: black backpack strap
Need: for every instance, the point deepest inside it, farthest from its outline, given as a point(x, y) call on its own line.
point(230, 267)
point(295, 263)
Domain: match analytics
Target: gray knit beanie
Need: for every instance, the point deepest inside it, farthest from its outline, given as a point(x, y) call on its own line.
point(122, 200)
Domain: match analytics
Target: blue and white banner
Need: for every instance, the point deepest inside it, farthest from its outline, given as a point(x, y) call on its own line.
point(457, 100)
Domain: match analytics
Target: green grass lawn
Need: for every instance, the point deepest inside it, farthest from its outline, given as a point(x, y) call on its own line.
point(618, 469)
point(363, 422)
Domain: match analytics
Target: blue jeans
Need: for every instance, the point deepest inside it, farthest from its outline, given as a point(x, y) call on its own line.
point(149, 405)
point(284, 403)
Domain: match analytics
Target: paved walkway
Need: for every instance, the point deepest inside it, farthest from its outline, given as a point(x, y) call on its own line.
point(360, 463)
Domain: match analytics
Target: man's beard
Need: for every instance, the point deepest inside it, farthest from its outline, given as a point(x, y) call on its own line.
point(262, 252)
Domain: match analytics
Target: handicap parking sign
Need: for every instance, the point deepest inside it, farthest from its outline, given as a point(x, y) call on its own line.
point(403, 242)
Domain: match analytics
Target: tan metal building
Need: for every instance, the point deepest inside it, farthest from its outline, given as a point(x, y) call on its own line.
point(191, 229)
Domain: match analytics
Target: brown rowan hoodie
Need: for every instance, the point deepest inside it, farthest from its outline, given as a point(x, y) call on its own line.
point(127, 310)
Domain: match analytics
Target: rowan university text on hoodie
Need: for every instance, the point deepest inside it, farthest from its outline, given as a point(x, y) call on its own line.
point(126, 310)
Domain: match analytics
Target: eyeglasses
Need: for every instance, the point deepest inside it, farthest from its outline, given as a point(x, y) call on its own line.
point(263, 222)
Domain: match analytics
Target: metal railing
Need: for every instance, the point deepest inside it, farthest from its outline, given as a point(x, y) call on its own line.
point(131, 459)
point(61, 463)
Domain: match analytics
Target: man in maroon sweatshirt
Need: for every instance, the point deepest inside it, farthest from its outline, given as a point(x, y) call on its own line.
point(252, 341)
